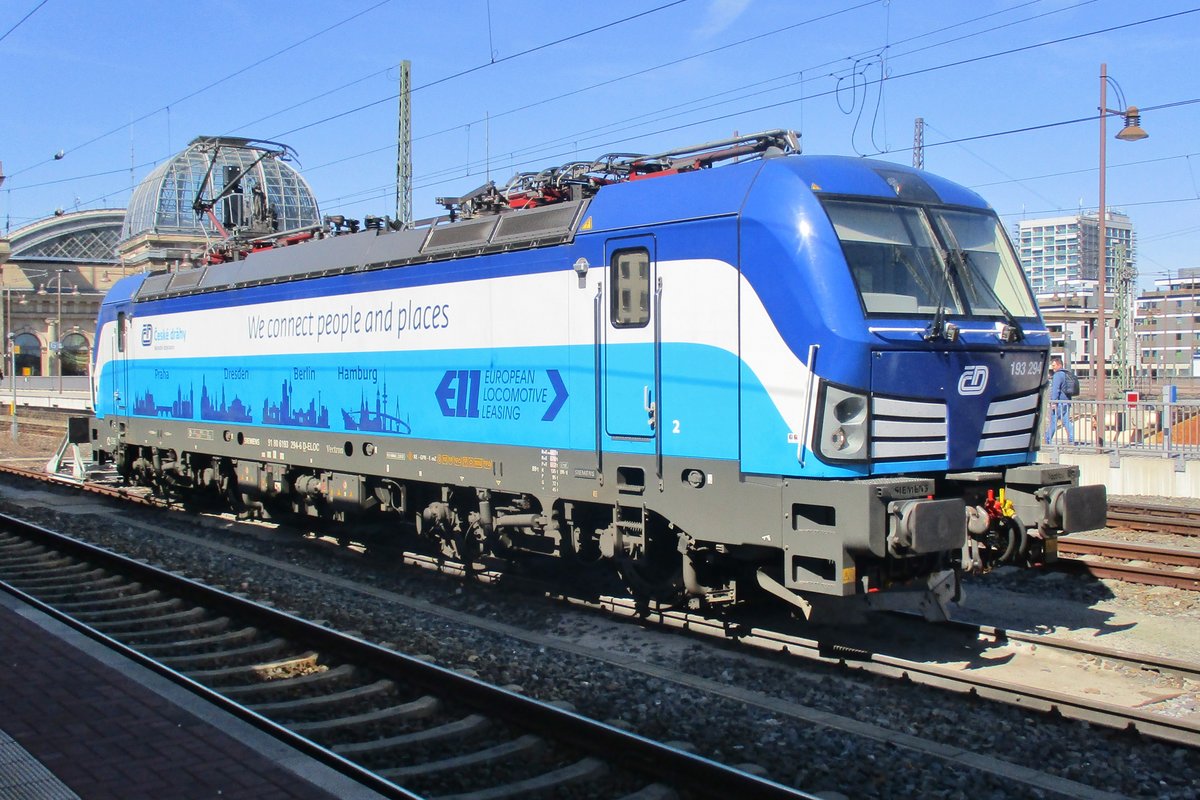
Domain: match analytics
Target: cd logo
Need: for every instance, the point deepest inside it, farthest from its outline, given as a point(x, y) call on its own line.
point(147, 334)
point(973, 381)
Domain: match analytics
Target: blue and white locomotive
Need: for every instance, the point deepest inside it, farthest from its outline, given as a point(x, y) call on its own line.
point(723, 369)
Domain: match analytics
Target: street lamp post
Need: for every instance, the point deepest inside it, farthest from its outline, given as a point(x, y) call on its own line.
point(56, 345)
point(5, 251)
point(1132, 132)
point(58, 332)
point(12, 359)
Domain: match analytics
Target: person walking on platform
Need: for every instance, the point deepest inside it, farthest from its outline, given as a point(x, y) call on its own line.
point(1060, 402)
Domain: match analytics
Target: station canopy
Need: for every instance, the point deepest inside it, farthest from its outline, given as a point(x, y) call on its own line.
point(77, 237)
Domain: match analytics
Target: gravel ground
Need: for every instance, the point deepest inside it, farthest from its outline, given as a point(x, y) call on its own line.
point(729, 706)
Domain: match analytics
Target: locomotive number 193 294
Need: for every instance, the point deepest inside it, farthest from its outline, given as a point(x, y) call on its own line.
point(1026, 367)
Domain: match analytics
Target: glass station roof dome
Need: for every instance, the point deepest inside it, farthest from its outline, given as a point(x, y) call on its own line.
point(162, 202)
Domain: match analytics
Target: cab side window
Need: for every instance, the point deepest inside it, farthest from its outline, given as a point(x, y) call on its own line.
point(631, 288)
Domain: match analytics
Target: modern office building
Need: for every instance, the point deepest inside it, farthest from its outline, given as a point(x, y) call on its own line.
point(1070, 315)
point(1057, 251)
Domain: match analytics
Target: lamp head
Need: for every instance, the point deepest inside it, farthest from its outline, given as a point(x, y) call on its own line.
point(1132, 132)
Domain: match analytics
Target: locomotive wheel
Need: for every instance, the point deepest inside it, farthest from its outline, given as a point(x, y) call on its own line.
point(581, 546)
point(649, 581)
point(465, 547)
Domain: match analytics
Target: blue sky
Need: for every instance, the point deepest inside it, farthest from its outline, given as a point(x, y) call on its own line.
point(519, 85)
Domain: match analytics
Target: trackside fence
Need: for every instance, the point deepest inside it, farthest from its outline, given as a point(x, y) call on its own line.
point(1142, 427)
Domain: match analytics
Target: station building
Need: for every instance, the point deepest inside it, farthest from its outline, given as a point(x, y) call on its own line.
point(59, 269)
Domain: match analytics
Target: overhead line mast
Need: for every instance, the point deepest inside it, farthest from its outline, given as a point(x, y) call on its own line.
point(404, 149)
point(918, 150)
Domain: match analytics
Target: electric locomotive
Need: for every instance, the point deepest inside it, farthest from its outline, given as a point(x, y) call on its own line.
point(723, 370)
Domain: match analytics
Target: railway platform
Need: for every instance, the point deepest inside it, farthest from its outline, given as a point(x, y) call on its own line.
point(79, 721)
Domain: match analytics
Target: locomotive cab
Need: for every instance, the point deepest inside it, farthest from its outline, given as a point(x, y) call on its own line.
point(926, 361)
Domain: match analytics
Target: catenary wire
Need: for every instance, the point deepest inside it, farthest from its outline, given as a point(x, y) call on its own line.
point(22, 20)
point(470, 70)
point(478, 67)
point(678, 61)
point(458, 169)
point(658, 114)
point(930, 69)
point(746, 40)
point(196, 92)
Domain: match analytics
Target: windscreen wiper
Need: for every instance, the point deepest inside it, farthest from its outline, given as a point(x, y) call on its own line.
point(939, 328)
point(1012, 332)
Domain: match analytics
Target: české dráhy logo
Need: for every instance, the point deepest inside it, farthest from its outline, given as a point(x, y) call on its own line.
point(973, 381)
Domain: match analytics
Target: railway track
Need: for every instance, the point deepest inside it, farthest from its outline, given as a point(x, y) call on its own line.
point(1154, 517)
point(913, 656)
point(971, 647)
point(403, 726)
point(1132, 563)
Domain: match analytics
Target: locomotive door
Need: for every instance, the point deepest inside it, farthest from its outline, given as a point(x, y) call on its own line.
point(121, 355)
point(631, 382)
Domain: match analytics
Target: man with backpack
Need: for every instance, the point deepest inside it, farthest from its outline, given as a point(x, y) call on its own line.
point(1063, 386)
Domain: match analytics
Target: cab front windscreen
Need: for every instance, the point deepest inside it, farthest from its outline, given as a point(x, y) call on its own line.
point(911, 260)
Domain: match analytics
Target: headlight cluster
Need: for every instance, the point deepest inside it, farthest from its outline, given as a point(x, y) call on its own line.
point(843, 431)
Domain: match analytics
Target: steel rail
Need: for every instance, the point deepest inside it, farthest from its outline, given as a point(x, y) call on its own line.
point(1131, 551)
point(1184, 520)
point(1170, 729)
point(1153, 572)
point(695, 774)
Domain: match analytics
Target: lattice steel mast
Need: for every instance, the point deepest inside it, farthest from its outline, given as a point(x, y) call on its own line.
point(404, 149)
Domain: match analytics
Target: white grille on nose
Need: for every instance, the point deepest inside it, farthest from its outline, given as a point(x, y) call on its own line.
point(1009, 425)
point(902, 428)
